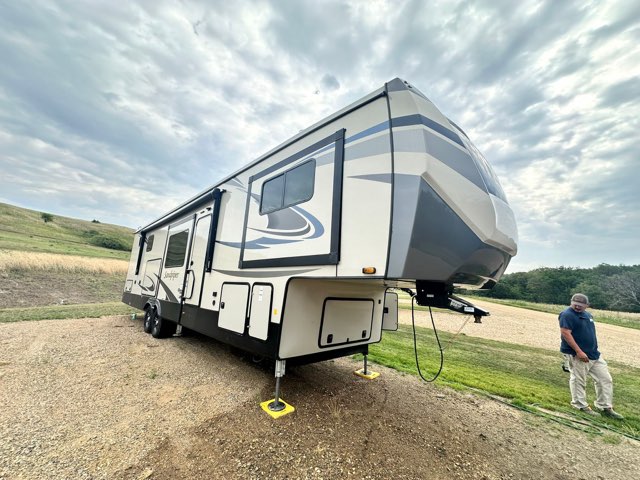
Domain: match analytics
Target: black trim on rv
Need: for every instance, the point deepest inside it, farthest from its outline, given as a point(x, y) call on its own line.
point(333, 256)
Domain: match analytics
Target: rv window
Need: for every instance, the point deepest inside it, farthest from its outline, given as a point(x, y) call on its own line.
point(176, 249)
point(150, 243)
point(298, 185)
point(272, 195)
point(290, 188)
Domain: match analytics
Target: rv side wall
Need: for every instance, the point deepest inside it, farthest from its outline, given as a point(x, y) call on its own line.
point(262, 254)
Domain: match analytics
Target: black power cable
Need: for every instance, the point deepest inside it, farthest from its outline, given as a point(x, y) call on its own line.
point(415, 344)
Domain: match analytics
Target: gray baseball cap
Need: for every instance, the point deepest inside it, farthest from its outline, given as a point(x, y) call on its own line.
point(580, 298)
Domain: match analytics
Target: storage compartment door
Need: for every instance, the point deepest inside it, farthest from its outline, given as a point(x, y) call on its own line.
point(390, 316)
point(233, 306)
point(260, 311)
point(345, 320)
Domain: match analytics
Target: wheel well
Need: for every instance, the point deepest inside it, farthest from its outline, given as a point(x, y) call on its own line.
point(152, 305)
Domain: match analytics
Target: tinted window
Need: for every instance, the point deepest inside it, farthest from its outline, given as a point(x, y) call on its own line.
point(299, 182)
point(176, 249)
point(488, 175)
point(290, 188)
point(272, 194)
point(486, 172)
point(150, 243)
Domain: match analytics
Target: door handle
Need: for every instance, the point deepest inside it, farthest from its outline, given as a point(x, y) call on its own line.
point(190, 283)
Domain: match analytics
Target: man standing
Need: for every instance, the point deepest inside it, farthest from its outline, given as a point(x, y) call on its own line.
point(579, 343)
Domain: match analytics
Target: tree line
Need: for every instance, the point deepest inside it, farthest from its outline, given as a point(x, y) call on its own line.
point(609, 287)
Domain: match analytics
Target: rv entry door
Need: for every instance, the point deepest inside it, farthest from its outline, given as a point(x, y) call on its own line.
point(175, 268)
point(197, 256)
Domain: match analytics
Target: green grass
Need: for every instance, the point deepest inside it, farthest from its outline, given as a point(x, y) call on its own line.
point(525, 376)
point(59, 312)
point(23, 229)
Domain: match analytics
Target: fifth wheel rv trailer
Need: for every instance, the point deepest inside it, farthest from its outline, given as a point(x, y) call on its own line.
point(293, 257)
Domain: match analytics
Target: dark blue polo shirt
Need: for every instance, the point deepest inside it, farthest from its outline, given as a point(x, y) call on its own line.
point(583, 330)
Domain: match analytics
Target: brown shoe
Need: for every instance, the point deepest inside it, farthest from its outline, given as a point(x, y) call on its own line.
point(589, 411)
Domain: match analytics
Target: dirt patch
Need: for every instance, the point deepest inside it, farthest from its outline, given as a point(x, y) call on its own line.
point(35, 288)
point(101, 399)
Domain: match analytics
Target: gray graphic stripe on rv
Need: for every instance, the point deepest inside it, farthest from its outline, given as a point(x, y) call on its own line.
point(450, 155)
point(406, 121)
point(287, 219)
point(427, 122)
point(264, 242)
point(375, 177)
point(380, 144)
point(405, 141)
point(170, 296)
point(151, 288)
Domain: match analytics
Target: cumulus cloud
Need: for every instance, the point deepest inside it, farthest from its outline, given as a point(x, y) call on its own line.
point(110, 110)
point(329, 82)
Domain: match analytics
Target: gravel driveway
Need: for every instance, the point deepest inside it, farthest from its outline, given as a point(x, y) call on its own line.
point(99, 399)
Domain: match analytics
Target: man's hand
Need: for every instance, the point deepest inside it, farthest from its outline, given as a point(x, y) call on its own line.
point(582, 356)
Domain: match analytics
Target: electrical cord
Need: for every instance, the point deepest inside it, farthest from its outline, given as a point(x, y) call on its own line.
point(415, 343)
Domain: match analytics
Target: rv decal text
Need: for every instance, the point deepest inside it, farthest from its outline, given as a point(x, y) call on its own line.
point(171, 275)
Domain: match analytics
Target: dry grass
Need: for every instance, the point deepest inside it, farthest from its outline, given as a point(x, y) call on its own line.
point(17, 260)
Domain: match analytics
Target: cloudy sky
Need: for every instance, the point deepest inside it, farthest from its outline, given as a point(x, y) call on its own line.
point(118, 111)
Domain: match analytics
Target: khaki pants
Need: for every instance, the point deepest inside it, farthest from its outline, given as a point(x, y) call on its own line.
point(596, 369)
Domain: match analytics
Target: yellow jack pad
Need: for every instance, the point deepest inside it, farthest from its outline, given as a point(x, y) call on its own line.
point(369, 376)
point(286, 410)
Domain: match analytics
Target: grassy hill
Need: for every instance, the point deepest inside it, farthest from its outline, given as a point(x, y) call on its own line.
point(56, 267)
point(27, 230)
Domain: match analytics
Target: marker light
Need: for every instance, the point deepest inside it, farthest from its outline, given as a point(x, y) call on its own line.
point(369, 270)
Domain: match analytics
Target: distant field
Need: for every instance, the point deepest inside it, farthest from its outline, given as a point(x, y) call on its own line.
point(26, 230)
point(623, 319)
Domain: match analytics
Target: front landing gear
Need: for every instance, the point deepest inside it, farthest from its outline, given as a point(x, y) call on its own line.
point(366, 373)
point(277, 407)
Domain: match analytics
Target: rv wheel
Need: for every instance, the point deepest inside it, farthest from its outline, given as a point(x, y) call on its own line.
point(147, 322)
point(161, 328)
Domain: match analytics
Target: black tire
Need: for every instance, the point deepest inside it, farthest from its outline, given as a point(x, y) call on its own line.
point(147, 320)
point(162, 328)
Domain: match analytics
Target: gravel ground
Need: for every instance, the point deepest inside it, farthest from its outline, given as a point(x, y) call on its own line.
point(99, 399)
